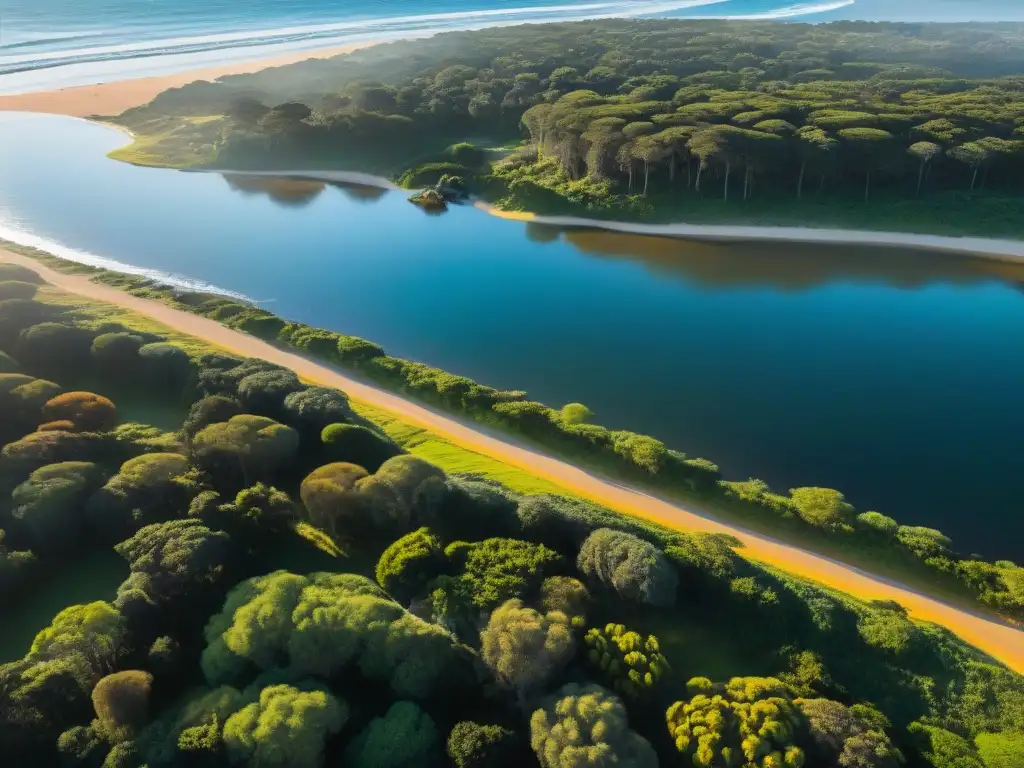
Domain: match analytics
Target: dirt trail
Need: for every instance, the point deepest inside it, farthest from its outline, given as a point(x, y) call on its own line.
point(999, 640)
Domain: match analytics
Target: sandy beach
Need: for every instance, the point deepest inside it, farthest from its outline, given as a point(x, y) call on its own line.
point(1000, 640)
point(115, 97)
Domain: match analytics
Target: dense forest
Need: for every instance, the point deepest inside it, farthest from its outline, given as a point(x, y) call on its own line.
point(638, 115)
point(302, 591)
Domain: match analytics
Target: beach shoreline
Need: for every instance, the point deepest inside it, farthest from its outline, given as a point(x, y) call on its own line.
point(978, 247)
point(981, 247)
point(987, 248)
point(115, 97)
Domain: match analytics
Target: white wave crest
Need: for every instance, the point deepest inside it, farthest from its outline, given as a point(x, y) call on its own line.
point(790, 11)
point(21, 237)
point(340, 32)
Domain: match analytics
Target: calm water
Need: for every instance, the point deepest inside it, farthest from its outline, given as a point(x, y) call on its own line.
point(894, 376)
point(55, 43)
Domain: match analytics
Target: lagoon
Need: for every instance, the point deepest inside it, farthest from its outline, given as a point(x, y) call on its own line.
point(892, 375)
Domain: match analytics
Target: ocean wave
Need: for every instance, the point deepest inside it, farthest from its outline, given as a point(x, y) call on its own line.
point(34, 41)
point(21, 237)
point(791, 11)
point(338, 32)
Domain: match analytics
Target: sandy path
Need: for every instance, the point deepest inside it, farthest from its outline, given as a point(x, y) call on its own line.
point(1004, 250)
point(1001, 641)
point(113, 98)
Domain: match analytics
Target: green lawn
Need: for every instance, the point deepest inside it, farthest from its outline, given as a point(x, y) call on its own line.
point(452, 458)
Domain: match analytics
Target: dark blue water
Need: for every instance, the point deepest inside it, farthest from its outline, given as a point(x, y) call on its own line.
point(894, 376)
point(46, 44)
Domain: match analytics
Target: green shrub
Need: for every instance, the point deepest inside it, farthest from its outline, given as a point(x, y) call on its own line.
point(495, 570)
point(19, 273)
point(405, 567)
point(358, 445)
point(258, 323)
point(566, 595)
point(165, 365)
point(632, 664)
point(525, 649)
point(822, 508)
point(54, 347)
point(17, 289)
point(876, 521)
point(634, 568)
point(405, 736)
point(474, 745)
point(286, 728)
point(940, 748)
point(88, 411)
point(746, 718)
point(356, 351)
point(467, 154)
point(587, 725)
point(49, 503)
point(117, 351)
point(428, 174)
point(121, 701)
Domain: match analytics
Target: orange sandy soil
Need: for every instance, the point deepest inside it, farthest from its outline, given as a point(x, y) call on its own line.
point(115, 97)
point(1001, 641)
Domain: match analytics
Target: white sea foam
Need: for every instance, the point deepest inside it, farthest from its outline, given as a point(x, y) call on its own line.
point(789, 12)
point(326, 35)
point(17, 235)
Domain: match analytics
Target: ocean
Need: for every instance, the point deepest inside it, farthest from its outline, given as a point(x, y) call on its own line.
point(47, 44)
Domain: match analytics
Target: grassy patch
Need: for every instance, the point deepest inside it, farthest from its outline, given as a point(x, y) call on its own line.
point(173, 142)
point(452, 458)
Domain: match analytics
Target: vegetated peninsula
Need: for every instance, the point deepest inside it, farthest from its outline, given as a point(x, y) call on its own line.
point(910, 127)
point(301, 588)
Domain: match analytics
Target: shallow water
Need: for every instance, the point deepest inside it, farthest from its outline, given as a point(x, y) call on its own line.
point(892, 375)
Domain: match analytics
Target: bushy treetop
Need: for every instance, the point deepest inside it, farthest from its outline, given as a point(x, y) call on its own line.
point(634, 568)
point(586, 725)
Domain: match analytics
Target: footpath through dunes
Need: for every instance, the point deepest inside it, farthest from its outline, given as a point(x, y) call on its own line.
point(1001, 641)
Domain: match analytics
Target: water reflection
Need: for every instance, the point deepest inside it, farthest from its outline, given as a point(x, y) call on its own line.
point(297, 192)
point(361, 193)
point(291, 193)
point(782, 266)
point(542, 233)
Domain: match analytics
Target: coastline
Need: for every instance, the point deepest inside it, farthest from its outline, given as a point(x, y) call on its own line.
point(1002, 641)
point(1002, 250)
point(977, 247)
point(115, 97)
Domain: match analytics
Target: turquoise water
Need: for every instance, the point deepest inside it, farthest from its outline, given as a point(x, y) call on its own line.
point(894, 376)
point(56, 43)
